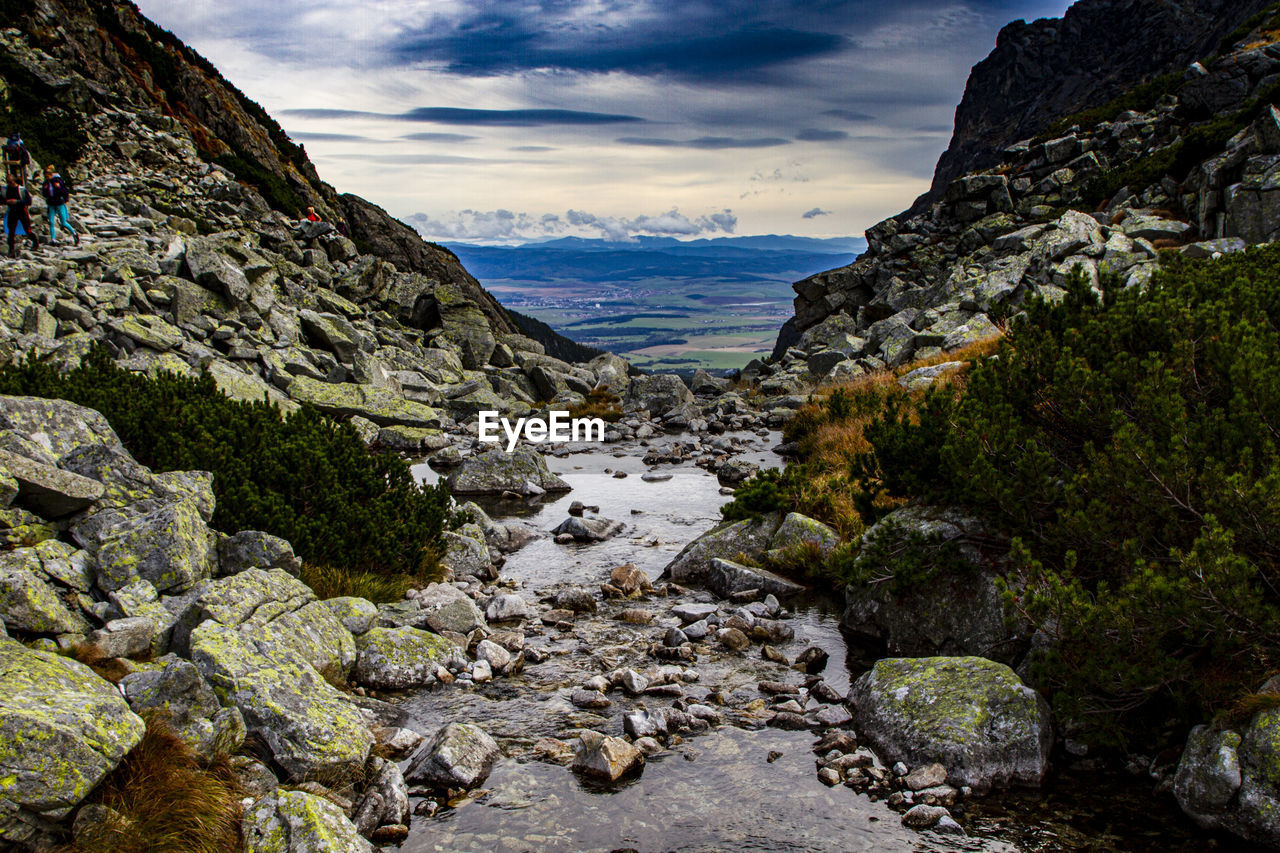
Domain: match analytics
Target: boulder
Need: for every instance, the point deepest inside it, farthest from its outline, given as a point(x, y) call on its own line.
point(799, 531)
point(736, 471)
point(56, 425)
point(382, 406)
point(464, 555)
point(496, 471)
point(459, 755)
point(46, 490)
point(212, 269)
point(170, 546)
point(607, 758)
point(291, 821)
point(959, 610)
point(1229, 779)
point(726, 578)
point(401, 658)
point(357, 615)
point(729, 540)
point(447, 608)
point(972, 715)
point(507, 607)
point(658, 394)
point(254, 549)
point(62, 729)
point(310, 728)
point(179, 694)
point(30, 605)
point(588, 529)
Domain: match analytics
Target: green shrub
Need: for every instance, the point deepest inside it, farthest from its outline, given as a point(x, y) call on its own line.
point(1132, 448)
point(1140, 98)
point(304, 477)
point(52, 130)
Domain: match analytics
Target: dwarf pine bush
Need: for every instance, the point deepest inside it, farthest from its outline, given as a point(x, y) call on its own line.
point(1130, 448)
point(304, 476)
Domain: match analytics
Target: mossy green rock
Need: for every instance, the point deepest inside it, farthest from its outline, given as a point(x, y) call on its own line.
point(383, 406)
point(56, 425)
point(730, 540)
point(972, 715)
point(62, 729)
point(401, 658)
point(310, 728)
point(798, 531)
point(298, 822)
point(497, 471)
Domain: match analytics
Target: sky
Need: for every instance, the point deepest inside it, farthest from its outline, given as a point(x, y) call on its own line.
point(504, 121)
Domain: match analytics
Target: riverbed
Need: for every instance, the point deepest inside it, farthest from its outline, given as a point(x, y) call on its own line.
point(739, 786)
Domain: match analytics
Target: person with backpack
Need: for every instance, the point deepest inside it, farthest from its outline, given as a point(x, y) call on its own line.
point(16, 157)
point(56, 194)
point(17, 203)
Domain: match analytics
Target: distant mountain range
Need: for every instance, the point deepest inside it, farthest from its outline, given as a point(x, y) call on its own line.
point(582, 260)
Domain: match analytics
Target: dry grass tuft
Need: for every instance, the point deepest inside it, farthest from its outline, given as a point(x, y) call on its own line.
point(166, 799)
point(331, 582)
point(600, 403)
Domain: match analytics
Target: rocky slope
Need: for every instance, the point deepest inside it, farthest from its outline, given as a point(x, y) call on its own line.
point(187, 193)
point(1187, 168)
point(1051, 68)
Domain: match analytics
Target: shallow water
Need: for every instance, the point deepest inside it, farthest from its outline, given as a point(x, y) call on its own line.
point(714, 791)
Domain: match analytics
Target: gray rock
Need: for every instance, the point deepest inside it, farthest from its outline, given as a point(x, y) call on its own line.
point(62, 729)
point(493, 654)
point(385, 799)
point(48, 491)
point(496, 472)
point(577, 600)
point(254, 549)
point(171, 547)
point(725, 578)
point(507, 607)
point(447, 608)
point(748, 537)
point(658, 393)
point(187, 702)
point(291, 821)
point(402, 658)
point(460, 755)
point(28, 604)
point(215, 271)
point(588, 529)
point(124, 638)
point(357, 615)
point(607, 758)
point(689, 613)
point(970, 714)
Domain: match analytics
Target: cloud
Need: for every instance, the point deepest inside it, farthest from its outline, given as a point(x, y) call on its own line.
point(815, 213)
point(305, 136)
point(438, 137)
point(849, 115)
point(813, 134)
point(533, 148)
point(506, 225)
point(492, 118)
point(707, 143)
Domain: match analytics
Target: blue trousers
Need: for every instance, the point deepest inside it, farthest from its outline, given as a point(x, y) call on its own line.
point(58, 213)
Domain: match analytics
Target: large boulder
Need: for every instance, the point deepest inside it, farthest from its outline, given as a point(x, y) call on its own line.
point(170, 546)
point(658, 394)
point(958, 610)
point(459, 755)
point(179, 694)
point(588, 529)
point(62, 729)
point(969, 714)
point(214, 270)
point(56, 425)
point(730, 540)
point(496, 471)
point(1230, 779)
point(46, 490)
point(30, 605)
point(310, 728)
point(799, 531)
point(287, 821)
point(447, 608)
point(383, 406)
point(401, 658)
point(726, 578)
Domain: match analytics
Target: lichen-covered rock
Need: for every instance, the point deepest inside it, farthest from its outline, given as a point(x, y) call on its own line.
point(287, 821)
point(725, 578)
point(497, 471)
point(446, 608)
point(179, 694)
point(798, 531)
point(62, 729)
point(1230, 780)
point(309, 726)
point(460, 755)
point(48, 491)
point(958, 610)
point(658, 393)
point(383, 406)
point(56, 425)
point(29, 604)
point(730, 540)
point(357, 615)
point(608, 758)
point(972, 715)
point(464, 555)
point(254, 549)
point(401, 658)
point(170, 546)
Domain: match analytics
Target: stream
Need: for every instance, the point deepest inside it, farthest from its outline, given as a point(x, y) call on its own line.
point(738, 786)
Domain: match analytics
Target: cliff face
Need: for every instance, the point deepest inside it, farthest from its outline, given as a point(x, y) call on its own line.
point(107, 55)
point(1191, 164)
point(1051, 68)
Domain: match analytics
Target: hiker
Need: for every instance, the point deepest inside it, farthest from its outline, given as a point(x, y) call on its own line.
point(56, 194)
point(16, 157)
point(312, 216)
point(18, 209)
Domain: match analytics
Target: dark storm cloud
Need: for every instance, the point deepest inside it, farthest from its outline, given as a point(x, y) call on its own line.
point(849, 115)
point(706, 143)
point(814, 213)
point(814, 134)
point(490, 118)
